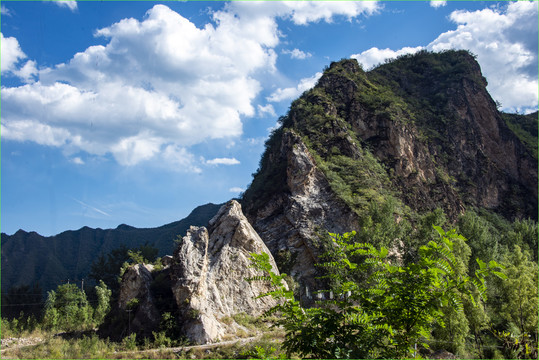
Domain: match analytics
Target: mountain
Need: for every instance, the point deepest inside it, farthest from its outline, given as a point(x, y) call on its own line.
point(415, 137)
point(28, 257)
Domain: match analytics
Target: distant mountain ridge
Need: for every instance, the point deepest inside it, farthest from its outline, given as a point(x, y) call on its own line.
point(28, 257)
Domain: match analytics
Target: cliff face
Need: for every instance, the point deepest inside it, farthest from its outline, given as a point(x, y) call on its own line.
point(205, 285)
point(289, 221)
point(422, 129)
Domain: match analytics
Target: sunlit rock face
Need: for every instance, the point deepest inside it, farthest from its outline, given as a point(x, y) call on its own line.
point(210, 271)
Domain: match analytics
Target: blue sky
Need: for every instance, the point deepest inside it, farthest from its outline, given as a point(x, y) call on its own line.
point(136, 112)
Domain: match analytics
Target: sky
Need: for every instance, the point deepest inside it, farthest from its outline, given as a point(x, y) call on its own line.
point(136, 112)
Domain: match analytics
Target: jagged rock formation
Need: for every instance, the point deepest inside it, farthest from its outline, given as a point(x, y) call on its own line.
point(422, 129)
point(290, 221)
point(207, 280)
point(136, 284)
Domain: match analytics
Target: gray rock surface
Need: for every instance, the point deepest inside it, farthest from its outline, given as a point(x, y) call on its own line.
point(210, 271)
point(290, 222)
point(136, 284)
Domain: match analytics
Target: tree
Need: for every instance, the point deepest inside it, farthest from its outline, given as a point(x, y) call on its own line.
point(67, 308)
point(107, 267)
point(520, 294)
point(389, 313)
point(103, 302)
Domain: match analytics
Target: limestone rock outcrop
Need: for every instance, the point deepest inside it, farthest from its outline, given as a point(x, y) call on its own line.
point(136, 285)
point(291, 221)
point(204, 285)
point(210, 271)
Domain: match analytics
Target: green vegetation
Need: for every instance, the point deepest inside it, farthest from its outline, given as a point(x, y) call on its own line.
point(525, 127)
point(389, 313)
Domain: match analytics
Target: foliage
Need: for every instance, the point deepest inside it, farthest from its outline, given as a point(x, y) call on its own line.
point(521, 346)
point(107, 267)
point(67, 308)
point(520, 306)
point(386, 315)
point(130, 342)
point(525, 127)
point(17, 327)
point(103, 302)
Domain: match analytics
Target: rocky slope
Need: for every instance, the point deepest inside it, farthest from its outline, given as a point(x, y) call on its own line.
point(422, 129)
point(205, 284)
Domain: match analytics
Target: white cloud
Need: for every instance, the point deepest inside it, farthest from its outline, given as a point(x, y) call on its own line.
point(158, 85)
point(158, 82)
point(374, 56)
point(77, 160)
point(4, 11)
point(70, 4)
point(304, 12)
point(266, 110)
point(181, 159)
point(293, 92)
point(11, 53)
point(505, 42)
point(236, 190)
point(297, 54)
point(223, 161)
point(90, 207)
point(438, 3)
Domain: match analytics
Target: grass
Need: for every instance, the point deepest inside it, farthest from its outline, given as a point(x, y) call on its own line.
point(90, 346)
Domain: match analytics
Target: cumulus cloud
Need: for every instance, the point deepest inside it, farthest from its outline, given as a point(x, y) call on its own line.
point(297, 54)
point(293, 92)
point(70, 4)
point(304, 12)
point(158, 85)
point(438, 3)
point(223, 161)
point(11, 53)
point(374, 56)
point(505, 42)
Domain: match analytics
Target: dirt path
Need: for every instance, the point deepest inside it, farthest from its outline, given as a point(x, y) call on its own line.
point(200, 347)
point(15, 343)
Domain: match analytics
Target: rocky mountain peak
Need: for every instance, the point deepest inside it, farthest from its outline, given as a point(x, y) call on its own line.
point(207, 279)
point(420, 131)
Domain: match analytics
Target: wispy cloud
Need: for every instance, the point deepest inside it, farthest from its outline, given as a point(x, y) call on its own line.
point(223, 161)
point(297, 54)
point(5, 11)
point(293, 92)
point(236, 190)
point(91, 207)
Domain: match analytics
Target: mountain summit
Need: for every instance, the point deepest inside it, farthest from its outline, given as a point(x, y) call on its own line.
point(417, 134)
